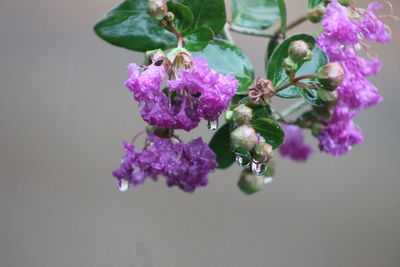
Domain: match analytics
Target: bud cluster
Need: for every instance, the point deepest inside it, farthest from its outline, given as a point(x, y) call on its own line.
point(299, 52)
point(159, 10)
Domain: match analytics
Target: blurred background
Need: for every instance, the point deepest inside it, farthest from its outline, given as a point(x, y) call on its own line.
point(64, 112)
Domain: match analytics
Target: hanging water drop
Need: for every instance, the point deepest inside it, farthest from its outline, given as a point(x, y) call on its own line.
point(268, 180)
point(212, 125)
point(123, 185)
point(258, 168)
point(241, 161)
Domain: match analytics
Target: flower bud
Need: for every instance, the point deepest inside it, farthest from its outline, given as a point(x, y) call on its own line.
point(299, 51)
point(169, 17)
point(229, 116)
point(289, 65)
point(262, 152)
point(346, 2)
point(244, 138)
point(250, 183)
point(317, 128)
point(327, 96)
point(242, 114)
point(157, 9)
point(316, 14)
point(180, 58)
point(160, 131)
point(330, 76)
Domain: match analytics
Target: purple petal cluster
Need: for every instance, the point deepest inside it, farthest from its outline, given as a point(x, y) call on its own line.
point(346, 29)
point(184, 165)
point(294, 147)
point(198, 92)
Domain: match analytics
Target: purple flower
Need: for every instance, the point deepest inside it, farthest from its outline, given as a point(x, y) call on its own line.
point(184, 165)
point(198, 92)
point(341, 133)
point(294, 147)
point(344, 31)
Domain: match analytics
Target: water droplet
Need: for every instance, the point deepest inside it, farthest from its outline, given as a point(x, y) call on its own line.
point(212, 125)
point(268, 180)
point(123, 185)
point(241, 161)
point(258, 168)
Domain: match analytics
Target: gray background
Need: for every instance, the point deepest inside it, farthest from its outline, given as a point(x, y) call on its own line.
point(63, 113)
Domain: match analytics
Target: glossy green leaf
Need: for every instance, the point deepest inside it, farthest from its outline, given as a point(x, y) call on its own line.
point(255, 14)
point(227, 58)
point(128, 25)
point(198, 39)
point(269, 130)
point(183, 16)
point(314, 3)
point(220, 144)
point(282, 13)
point(209, 13)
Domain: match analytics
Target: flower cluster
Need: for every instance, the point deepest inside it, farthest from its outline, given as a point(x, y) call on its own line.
point(194, 93)
point(183, 165)
point(294, 147)
point(345, 30)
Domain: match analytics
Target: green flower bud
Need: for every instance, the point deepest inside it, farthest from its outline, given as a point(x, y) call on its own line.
point(160, 131)
point(242, 114)
point(327, 96)
point(244, 138)
point(229, 116)
point(330, 76)
point(317, 128)
point(262, 152)
point(250, 183)
point(316, 14)
point(169, 17)
point(289, 65)
point(346, 2)
point(299, 51)
point(157, 9)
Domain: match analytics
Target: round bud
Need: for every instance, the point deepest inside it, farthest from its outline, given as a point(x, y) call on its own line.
point(163, 23)
point(327, 96)
point(289, 65)
point(316, 14)
point(317, 128)
point(346, 2)
point(169, 17)
point(330, 76)
point(157, 9)
point(244, 138)
point(299, 51)
point(262, 152)
point(229, 116)
point(242, 114)
point(250, 183)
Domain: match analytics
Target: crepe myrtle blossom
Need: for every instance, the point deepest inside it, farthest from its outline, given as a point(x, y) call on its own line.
point(190, 94)
point(183, 165)
point(294, 147)
point(345, 30)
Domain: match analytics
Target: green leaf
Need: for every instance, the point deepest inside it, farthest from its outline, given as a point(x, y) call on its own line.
point(279, 76)
point(255, 14)
point(183, 16)
point(270, 131)
point(221, 145)
point(209, 13)
point(227, 58)
point(282, 13)
point(314, 3)
point(128, 25)
point(273, 43)
point(199, 38)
